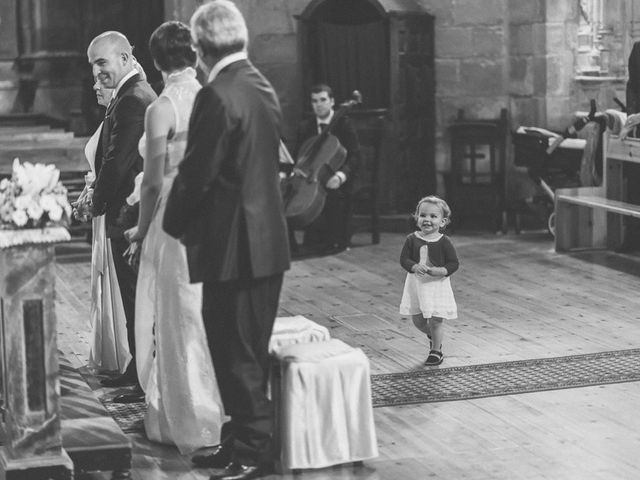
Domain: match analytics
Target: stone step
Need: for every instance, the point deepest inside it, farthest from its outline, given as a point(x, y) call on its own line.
point(9, 129)
point(66, 154)
point(34, 137)
point(31, 119)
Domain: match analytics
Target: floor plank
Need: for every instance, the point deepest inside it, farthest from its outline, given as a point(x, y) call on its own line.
point(517, 299)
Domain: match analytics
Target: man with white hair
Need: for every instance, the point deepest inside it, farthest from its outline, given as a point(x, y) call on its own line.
point(225, 205)
point(117, 163)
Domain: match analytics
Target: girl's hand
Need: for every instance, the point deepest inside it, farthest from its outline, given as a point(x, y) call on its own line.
point(420, 270)
point(437, 271)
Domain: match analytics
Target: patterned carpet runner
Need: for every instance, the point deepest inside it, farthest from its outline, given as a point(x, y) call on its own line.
point(506, 378)
point(469, 382)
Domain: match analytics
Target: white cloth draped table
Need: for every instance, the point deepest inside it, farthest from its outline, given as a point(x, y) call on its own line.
point(325, 411)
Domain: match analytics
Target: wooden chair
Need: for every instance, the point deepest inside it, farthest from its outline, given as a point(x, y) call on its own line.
point(476, 183)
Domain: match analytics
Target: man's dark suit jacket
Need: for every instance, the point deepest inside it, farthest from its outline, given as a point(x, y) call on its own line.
point(225, 202)
point(346, 135)
point(117, 158)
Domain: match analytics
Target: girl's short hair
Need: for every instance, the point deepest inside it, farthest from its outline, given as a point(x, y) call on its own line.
point(435, 200)
point(170, 46)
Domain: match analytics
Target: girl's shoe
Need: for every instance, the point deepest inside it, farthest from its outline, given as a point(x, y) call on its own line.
point(435, 358)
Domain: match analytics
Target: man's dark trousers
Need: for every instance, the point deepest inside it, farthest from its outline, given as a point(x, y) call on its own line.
point(238, 317)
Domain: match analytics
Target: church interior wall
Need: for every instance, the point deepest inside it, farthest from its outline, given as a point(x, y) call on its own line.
point(518, 54)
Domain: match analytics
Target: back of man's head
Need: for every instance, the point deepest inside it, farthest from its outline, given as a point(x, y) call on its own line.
point(219, 28)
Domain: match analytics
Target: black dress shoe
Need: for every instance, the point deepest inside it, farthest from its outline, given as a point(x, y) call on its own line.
point(237, 471)
point(123, 380)
point(137, 396)
point(218, 458)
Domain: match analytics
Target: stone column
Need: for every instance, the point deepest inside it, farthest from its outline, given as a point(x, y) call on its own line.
point(29, 358)
point(634, 30)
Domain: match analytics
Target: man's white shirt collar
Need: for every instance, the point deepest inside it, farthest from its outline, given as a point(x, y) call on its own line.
point(228, 60)
point(121, 82)
point(325, 121)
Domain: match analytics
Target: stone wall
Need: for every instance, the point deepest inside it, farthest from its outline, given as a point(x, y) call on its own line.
point(272, 46)
point(471, 65)
point(490, 54)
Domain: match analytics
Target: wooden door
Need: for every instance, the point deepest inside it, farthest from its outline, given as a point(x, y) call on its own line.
point(412, 94)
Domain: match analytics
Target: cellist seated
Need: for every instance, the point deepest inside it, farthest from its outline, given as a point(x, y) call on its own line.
point(330, 232)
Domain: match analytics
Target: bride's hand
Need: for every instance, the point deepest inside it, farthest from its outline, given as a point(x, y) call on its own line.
point(132, 255)
point(133, 235)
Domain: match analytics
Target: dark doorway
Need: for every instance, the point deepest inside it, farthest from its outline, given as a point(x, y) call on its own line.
point(347, 40)
point(385, 49)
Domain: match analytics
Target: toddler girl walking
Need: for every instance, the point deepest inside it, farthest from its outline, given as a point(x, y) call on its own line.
point(430, 258)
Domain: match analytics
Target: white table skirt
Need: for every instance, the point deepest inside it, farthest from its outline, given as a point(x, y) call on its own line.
point(326, 411)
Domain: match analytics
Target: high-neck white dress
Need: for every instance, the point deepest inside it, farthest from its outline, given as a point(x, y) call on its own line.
point(172, 354)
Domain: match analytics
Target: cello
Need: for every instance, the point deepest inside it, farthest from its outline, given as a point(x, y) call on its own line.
point(304, 192)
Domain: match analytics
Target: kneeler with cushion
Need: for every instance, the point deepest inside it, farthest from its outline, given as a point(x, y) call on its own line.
point(296, 329)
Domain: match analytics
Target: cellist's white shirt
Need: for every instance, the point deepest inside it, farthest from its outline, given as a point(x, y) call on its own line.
point(324, 121)
point(327, 121)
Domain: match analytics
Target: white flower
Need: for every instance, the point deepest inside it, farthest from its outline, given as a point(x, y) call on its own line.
point(20, 218)
point(55, 214)
point(35, 179)
point(34, 210)
point(48, 202)
point(5, 212)
point(32, 191)
point(22, 202)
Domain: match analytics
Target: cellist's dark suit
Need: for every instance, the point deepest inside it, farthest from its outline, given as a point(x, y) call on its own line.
point(331, 229)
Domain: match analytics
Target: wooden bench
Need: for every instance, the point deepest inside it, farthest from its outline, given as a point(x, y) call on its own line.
point(593, 217)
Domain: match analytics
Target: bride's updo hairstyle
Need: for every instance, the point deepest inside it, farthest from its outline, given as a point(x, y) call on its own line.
point(170, 46)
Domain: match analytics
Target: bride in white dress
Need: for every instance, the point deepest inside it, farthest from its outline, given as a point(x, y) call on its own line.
point(172, 354)
point(109, 349)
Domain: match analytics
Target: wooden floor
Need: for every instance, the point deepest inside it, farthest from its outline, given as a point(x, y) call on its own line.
point(517, 299)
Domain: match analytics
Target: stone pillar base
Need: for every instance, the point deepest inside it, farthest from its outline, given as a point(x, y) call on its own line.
point(53, 467)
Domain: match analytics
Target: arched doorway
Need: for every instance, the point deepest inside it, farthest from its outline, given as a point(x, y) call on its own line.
point(386, 51)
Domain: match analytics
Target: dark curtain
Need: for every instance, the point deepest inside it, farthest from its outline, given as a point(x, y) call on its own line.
point(354, 57)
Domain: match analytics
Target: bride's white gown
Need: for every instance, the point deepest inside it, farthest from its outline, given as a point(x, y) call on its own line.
point(172, 354)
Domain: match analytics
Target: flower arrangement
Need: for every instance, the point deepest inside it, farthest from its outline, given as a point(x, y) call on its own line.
point(33, 197)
